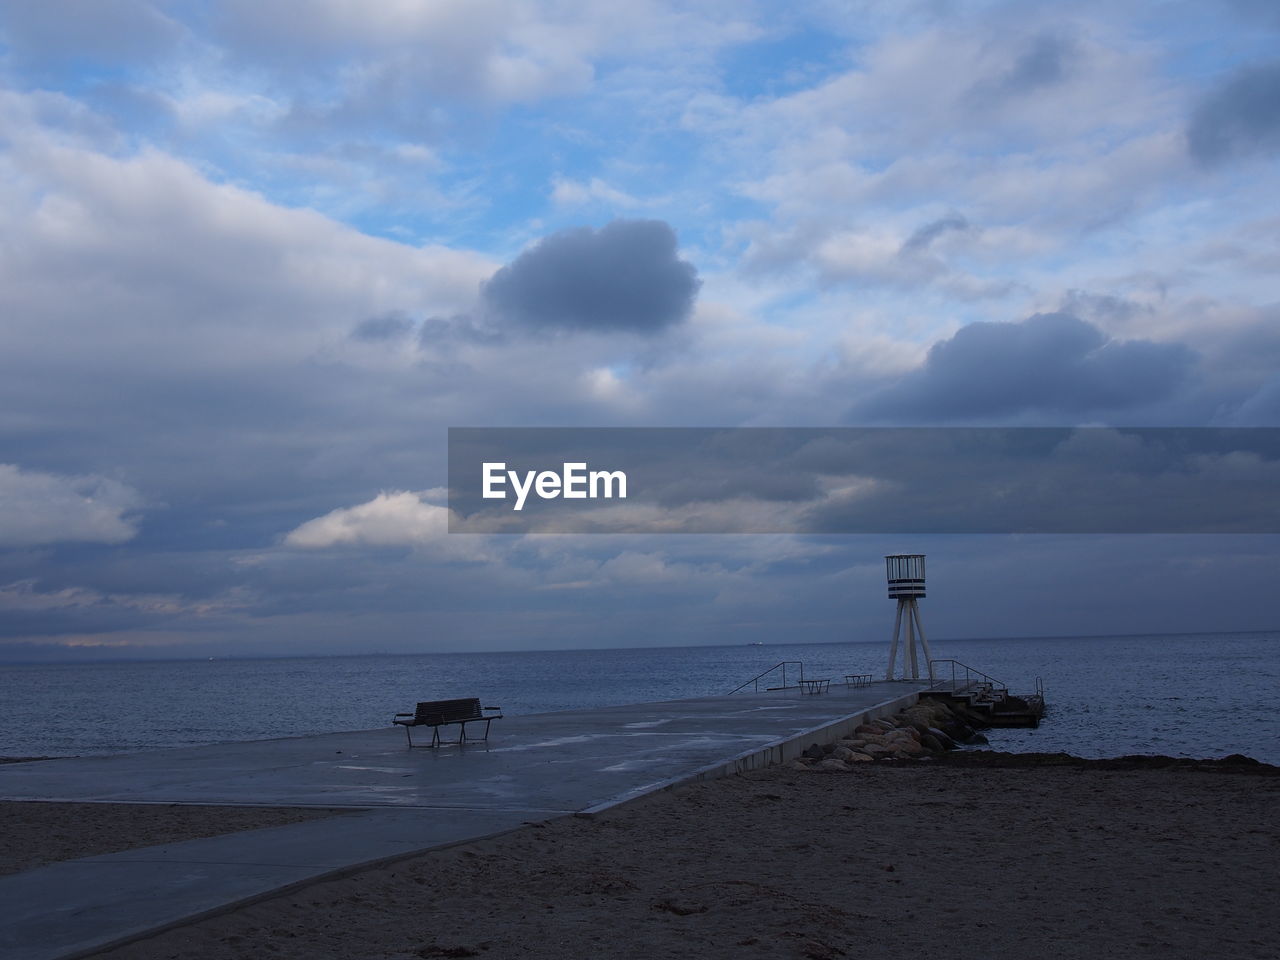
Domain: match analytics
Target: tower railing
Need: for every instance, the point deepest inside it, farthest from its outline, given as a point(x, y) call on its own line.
point(754, 682)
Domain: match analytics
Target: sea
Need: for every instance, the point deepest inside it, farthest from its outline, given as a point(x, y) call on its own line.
point(1188, 695)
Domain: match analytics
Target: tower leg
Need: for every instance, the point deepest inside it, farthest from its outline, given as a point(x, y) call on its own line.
point(911, 640)
point(893, 647)
point(924, 641)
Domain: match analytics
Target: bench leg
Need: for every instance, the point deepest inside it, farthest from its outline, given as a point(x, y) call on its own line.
point(463, 738)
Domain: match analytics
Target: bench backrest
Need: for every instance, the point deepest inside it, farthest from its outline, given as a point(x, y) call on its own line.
point(448, 711)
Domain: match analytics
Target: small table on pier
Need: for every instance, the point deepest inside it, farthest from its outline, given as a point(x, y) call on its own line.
point(814, 686)
point(857, 679)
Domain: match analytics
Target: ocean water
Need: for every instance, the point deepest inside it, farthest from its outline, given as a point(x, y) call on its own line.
point(1202, 695)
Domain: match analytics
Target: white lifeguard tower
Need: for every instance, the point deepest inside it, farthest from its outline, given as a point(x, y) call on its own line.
point(906, 585)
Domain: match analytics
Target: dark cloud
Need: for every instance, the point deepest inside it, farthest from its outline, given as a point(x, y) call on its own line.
point(1239, 117)
point(1042, 63)
point(1050, 362)
point(627, 276)
point(445, 332)
point(1104, 306)
point(392, 326)
point(926, 234)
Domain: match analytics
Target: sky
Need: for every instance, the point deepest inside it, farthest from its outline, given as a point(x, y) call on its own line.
point(257, 258)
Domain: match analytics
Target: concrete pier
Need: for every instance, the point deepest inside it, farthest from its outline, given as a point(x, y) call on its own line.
point(403, 801)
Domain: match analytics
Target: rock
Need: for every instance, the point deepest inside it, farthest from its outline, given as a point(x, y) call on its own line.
point(832, 764)
point(813, 752)
point(877, 750)
point(884, 725)
point(932, 743)
point(976, 739)
point(947, 742)
point(842, 753)
point(799, 765)
point(865, 728)
point(828, 749)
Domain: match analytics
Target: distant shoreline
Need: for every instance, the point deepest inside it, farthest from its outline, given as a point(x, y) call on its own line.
point(69, 655)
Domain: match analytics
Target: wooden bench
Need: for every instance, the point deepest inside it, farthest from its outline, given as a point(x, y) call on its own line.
point(441, 713)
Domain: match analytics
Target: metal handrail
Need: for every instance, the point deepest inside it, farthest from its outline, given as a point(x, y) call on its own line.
point(972, 678)
point(754, 682)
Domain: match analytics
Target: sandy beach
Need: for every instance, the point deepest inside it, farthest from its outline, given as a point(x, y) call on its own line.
point(978, 858)
point(36, 834)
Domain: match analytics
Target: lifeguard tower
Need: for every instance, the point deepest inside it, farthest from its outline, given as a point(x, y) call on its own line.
point(905, 572)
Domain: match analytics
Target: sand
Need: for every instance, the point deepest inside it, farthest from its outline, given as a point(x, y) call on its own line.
point(890, 860)
point(35, 834)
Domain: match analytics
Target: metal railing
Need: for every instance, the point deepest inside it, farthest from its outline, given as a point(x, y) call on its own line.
point(754, 682)
point(964, 679)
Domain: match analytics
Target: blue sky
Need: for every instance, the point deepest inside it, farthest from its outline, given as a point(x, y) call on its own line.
point(255, 259)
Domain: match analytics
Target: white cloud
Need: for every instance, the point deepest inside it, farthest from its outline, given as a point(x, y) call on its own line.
point(42, 508)
point(391, 519)
point(574, 193)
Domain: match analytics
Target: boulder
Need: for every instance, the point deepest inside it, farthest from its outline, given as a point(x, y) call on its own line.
point(932, 743)
point(942, 738)
point(813, 752)
point(859, 757)
point(842, 753)
point(832, 764)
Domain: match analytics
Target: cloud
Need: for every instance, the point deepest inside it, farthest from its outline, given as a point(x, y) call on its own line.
point(391, 519)
point(391, 326)
point(1241, 116)
point(1050, 362)
point(573, 193)
point(43, 508)
point(388, 520)
point(1044, 61)
point(627, 276)
point(107, 31)
point(926, 234)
